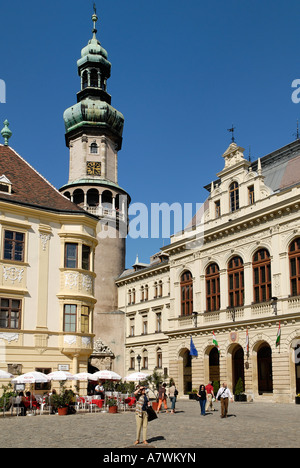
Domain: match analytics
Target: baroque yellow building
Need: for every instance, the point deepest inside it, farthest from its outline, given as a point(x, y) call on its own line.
point(230, 281)
point(47, 247)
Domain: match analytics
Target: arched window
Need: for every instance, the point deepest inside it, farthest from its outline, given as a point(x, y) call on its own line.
point(294, 256)
point(94, 148)
point(212, 280)
point(234, 197)
point(84, 79)
point(262, 276)
point(186, 287)
point(94, 79)
point(78, 197)
point(236, 282)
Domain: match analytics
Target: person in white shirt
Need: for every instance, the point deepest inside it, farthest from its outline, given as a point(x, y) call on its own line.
point(223, 395)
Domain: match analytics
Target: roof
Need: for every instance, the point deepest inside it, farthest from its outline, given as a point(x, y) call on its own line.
point(29, 187)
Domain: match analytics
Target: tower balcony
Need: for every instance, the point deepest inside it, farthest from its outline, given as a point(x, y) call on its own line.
point(104, 212)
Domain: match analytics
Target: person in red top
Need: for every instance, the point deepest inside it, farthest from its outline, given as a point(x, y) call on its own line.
point(210, 395)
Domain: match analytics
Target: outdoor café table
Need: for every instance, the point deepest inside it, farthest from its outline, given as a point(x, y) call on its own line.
point(98, 403)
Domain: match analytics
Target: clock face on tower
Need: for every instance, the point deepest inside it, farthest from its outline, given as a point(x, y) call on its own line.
point(93, 168)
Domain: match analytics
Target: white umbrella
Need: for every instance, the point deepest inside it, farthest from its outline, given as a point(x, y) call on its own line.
point(84, 376)
point(136, 377)
point(5, 375)
point(31, 377)
point(60, 376)
point(107, 375)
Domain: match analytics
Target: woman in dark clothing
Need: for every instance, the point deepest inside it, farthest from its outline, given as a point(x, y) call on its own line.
point(202, 395)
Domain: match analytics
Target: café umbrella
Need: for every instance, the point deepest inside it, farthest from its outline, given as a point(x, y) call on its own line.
point(136, 377)
point(61, 376)
point(5, 375)
point(85, 376)
point(107, 375)
point(31, 378)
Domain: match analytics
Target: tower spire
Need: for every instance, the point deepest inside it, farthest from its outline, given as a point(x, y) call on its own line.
point(94, 19)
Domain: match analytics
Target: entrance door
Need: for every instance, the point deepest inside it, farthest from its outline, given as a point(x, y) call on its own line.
point(297, 361)
point(238, 366)
point(214, 365)
point(187, 372)
point(264, 366)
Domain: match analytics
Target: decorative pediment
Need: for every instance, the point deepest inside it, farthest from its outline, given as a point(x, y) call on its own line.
point(233, 155)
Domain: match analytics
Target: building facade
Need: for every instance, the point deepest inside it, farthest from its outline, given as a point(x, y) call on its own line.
point(94, 136)
point(231, 278)
point(47, 247)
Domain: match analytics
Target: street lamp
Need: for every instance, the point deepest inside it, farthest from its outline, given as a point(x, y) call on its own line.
point(139, 358)
point(274, 304)
point(195, 318)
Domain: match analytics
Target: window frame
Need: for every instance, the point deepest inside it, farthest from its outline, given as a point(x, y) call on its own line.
point(186, 294)
point(212, 284)
point(234, 197)
point(236, 284)
point(69, 314)
point(262, 271)
point(15, 242)
point(294, 255)
point(11, 310)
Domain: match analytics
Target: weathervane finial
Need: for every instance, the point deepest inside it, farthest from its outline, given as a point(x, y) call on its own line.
point(231, 130)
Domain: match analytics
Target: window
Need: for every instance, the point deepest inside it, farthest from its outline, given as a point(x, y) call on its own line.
point(10, 313)
point(132, 360)
point(86, 250)
point(158, 322)
point(43, 386)
point(145, 326)
point(234, 197)
point(85, 319)
point(94, 148)
point(70, 314)
point(132, 328)
point(294, 256)
point(251, 196)
point(71, 255)
point(212, 280)
point(145, 362)
point(14, 246)
point(236, 282)
point(262, 276)
point(186, 287)
point(159, 358)
point(217, 209)
point(160, 289)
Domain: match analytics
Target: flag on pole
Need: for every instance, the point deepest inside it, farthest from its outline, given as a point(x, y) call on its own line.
point(193, 350)
point(215, 343)
point(247, 342)
point(278, 338)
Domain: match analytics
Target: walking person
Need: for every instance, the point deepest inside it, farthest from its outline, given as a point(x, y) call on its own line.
point(202, 395)
point(173, 393)
point(162, 398)
point(141, 414)
point(223, 395)
point(210, 397)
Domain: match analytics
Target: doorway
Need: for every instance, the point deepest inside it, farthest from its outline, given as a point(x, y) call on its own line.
point(264, 367)
point(238, 370)
point(214, 365)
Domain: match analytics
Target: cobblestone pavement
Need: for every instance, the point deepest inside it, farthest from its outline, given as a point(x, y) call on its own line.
point(248, 425)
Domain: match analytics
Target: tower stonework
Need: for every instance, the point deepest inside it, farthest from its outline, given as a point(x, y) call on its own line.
point(94, 136)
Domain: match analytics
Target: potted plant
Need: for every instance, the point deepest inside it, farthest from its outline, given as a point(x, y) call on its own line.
point(239, 394)
point(193, 394)
point(297, 399)
point(112, 405)
point(154, 382)
point(61, 400)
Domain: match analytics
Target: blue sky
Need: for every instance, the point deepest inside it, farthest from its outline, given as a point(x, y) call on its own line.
point(182, 73)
